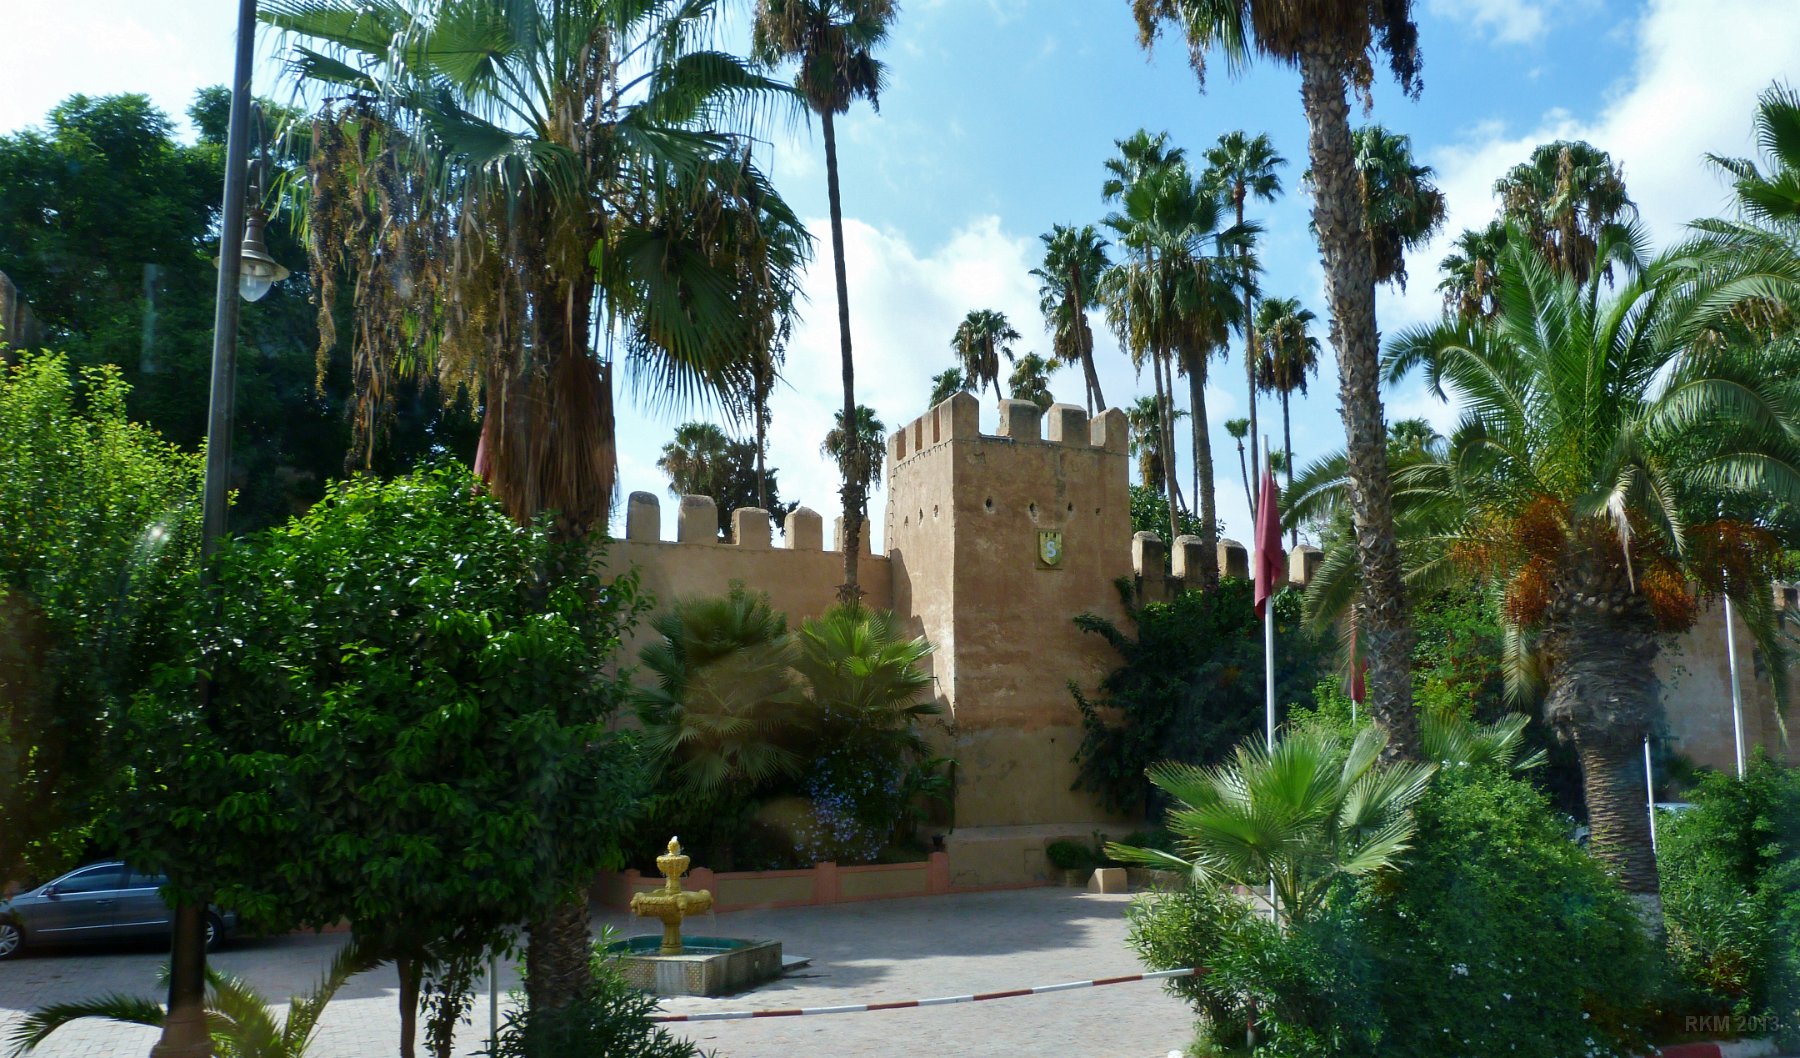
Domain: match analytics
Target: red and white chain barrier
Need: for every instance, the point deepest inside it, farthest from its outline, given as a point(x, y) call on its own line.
point(903, 1004)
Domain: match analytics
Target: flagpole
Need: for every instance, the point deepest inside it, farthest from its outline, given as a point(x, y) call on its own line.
point(1737, 692)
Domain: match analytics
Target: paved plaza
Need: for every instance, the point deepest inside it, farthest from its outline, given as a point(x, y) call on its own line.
point(868, 952)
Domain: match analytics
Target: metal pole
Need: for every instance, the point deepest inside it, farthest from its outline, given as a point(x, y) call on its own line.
point(185, 1033)
point(493, 1002)
point(1737, 691)
point(1650, 793)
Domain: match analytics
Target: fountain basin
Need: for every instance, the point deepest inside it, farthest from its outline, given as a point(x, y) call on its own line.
point(707, 966)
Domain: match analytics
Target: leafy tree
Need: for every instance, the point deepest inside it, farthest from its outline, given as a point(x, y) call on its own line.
point(1587, 478)
point(1300, 816)
point(863, 452)
point(592, 172)
point(1188, 686)
point(1068, 287)
point(1150, 514)
point(833, 42)
point(981, 339)
point(946, 384)
point(1030, 380)
point(1243, 167)
point(1334, 46)
point(1564, 199)
point(102, 523)
point(1402, 208)
point(1290, 354)
point(408, 727)
point(237, 1015)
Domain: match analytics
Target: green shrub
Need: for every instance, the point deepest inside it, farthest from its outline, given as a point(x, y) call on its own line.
point(611, 1019)
point(1068, 855)
point(1730, 869)
point(1496, 936)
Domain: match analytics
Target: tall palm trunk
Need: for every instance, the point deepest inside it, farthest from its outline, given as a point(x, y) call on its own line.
point(1238, 194)
point(1244, 470)
point(1084, 340)
point(761, 411)
point(1386, 628)
point(1203, 474)
point(1604, 698)
point(1287, 447)
point(853, 492)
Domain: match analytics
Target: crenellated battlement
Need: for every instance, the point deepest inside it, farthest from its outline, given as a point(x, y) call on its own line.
point(959, 419)
point(697, 522)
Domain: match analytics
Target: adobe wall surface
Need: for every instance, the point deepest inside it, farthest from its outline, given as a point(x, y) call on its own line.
point(800, 577)
point(964, 515)
point(1696, 691)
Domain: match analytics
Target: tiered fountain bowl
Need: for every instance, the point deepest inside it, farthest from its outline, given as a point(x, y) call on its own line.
point(695, 966)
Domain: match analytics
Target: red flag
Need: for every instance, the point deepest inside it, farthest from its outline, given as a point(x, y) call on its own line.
point(1270, 562)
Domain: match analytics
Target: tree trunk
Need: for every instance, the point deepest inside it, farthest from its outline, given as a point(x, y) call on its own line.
point(1244, 470)
point(1165, 443)
point(1604, 697)
point(185, 1033)
point(556, 959)
point(1203, 473)
point(1386, 630)
point(1249, 350)
point(1098, 404)
point(761, 411)
point(850, 592)
point(409, 971)
point(1287, 446)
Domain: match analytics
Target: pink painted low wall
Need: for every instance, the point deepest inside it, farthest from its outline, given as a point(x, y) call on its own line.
point(823, 883)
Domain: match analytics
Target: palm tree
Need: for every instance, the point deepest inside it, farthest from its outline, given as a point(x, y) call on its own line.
point(1333, 44)
point(236, 1015)
point(1600, 439)
point(833, 42)
point(696, 459)
point(1471, 285)
point(1289, 354)
point(1414, 437)
point(506, 182)
point(1030, 380)
point(1175, 300)
point(1772, 197)
point(946, 384)
point(866, 682)
point(1244, 167)
point(1313, 810)
point(981, 339)
point(1145, 417)
point(1068, 286)
point(1564, 198)
point(1402, 208)
point(862, 456)
point(1239, 429)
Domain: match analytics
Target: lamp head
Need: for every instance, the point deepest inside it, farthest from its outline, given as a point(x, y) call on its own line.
point(257, 271)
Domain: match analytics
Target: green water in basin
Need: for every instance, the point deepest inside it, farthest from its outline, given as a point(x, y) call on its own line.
point(651, 943)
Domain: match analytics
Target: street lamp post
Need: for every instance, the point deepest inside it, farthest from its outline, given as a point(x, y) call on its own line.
point(249, 271)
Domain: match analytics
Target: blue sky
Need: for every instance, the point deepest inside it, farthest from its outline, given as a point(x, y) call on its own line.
point(997, 118)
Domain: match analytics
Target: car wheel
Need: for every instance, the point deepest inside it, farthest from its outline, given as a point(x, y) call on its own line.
point(12, 940)
point(215, 932)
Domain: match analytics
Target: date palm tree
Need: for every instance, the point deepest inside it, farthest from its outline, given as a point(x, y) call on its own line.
point(1030, 380)
point(1333, 45)
point(1402, 208)
point(981, 339)
point(1245, 167)
point(1289, 354)
point(1145, 416)
point(1601, 438)
point(833, 43)
point(1239, 429)
point(1563, 199)
point(507, 181)
point(1069, 286)
point(1770, 195)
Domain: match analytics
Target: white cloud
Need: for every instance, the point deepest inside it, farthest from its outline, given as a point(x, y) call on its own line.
point(1691, 90)
point(1506, 21)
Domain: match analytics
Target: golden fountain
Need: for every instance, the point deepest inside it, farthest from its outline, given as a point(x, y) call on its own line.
point(671, 903)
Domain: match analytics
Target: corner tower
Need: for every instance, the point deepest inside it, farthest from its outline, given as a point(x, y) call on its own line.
point(997, 543)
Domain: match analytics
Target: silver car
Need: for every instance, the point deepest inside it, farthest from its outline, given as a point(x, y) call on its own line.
point(94, 904)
